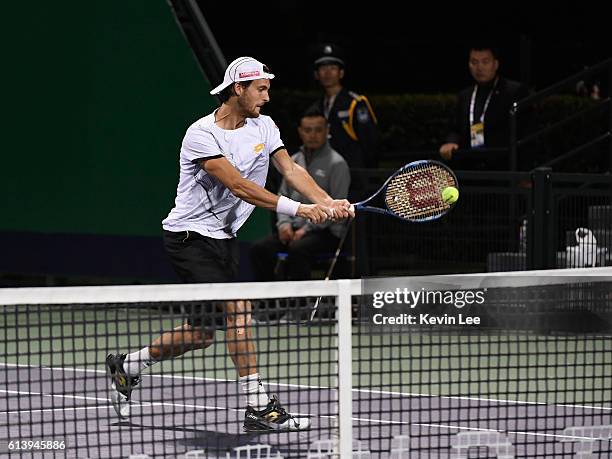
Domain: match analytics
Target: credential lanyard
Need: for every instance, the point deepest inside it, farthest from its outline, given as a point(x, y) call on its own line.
point(486, 105)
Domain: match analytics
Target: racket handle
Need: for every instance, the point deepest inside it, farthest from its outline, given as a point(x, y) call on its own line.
point(352, 208)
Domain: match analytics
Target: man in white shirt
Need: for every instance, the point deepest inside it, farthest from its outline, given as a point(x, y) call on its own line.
point(224, 162)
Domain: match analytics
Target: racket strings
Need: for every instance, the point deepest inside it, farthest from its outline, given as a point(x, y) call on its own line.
point(416, 193)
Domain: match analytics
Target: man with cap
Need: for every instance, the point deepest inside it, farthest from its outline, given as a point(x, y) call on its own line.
point(352, 122)
point(224, 160)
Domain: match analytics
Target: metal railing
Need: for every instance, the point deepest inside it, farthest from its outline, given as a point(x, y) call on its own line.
point(504, 221)
point(528, 102)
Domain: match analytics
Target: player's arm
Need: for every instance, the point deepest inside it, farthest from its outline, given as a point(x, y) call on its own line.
point(254, 194)
point(299, 179)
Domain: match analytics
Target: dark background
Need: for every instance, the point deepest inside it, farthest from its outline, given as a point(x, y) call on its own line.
point(98, 96)
point(396, 47)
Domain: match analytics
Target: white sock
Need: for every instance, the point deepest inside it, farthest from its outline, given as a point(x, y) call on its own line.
point(138, 361)
point(254, 390)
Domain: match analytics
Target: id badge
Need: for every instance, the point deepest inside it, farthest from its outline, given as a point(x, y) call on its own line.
point(477, 135)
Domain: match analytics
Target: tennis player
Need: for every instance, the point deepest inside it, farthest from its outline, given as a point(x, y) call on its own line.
point(224, 160)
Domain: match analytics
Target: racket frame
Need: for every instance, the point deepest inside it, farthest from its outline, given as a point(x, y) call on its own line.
point(361, 205)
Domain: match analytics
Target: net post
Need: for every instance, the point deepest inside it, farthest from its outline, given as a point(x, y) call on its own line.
point(345, 362)
point(539, 227)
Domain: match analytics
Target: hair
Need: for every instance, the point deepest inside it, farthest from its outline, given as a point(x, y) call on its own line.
point(485, 47)
point(330, 61)
point(230, 91)
point(312, 112)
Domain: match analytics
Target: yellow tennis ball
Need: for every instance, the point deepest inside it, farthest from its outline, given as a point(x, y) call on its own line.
point(450, 194)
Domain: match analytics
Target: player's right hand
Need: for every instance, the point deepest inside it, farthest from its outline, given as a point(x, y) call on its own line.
point(315, 213)
point(341, 208)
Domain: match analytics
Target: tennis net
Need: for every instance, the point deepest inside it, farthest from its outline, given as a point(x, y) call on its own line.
point(518, 365)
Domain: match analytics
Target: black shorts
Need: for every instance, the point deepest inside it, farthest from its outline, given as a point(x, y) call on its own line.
point(202, 259)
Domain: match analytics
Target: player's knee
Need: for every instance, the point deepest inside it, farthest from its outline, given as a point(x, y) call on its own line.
point(197, 337)
point(239, 316)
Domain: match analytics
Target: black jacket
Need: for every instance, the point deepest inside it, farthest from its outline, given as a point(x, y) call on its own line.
point(353, 128)
point(496, 124)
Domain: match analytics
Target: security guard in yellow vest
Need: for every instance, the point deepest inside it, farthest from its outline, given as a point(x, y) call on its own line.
point(352, 122)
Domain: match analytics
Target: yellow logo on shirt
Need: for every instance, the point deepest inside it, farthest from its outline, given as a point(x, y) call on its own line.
point(259, 147)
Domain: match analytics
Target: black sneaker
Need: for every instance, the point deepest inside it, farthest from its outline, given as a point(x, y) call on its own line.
point(273, 417)
point(121, 384)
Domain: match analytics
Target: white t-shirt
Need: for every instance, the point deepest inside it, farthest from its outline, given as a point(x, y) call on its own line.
point(203, 204)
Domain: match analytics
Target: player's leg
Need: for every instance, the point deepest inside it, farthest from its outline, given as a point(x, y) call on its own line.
point(182, 339)
point(194, 261)
point(263, 413)
point(241, 349)
point(239, 337)
point(124, 369)
point(169, 345)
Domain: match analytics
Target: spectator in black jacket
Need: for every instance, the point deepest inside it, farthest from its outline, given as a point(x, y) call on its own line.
point(482, 115)
point(352, 122)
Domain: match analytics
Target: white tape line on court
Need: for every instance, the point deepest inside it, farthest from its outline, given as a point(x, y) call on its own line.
point(304, 386)
point(378, 421)
point(134, 403)
point(53, 410)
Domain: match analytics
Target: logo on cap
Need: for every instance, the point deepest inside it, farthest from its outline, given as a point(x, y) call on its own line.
point(242, 69)
point(252, 73)
point(329, 54)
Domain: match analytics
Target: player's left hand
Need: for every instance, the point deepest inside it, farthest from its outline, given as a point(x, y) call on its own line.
point(315, 213)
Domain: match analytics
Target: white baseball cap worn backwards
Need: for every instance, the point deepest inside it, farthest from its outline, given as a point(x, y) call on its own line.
point(242, 69)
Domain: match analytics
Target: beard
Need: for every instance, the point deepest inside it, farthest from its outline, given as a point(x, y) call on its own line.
point(248, 109)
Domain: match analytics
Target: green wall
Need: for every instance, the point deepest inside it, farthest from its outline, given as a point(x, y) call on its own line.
point(98, 97)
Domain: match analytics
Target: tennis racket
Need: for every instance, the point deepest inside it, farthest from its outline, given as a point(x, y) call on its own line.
point(413, 193)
